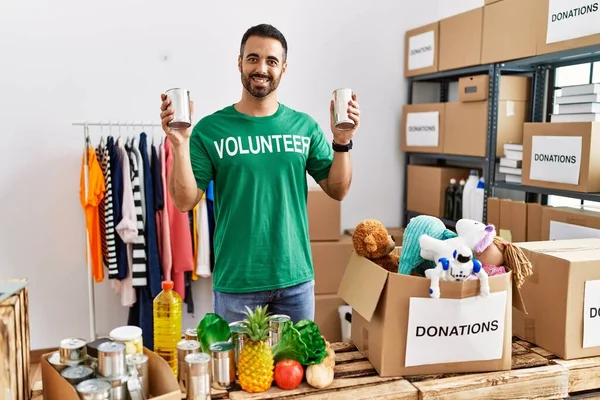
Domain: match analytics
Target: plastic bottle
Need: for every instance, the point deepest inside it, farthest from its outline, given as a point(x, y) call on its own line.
point(458, 201)
point(470, 185)
point(449, 204)
point(477, 200)
point(167, 324)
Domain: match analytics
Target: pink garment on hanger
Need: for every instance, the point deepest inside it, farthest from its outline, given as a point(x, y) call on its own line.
point(182, 252)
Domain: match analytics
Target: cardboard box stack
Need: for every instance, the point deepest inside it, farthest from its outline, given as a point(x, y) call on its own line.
point(14, 340)
point(330, 251)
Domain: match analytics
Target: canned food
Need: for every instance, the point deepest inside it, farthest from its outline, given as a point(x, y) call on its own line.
point(197, 366)
point(111, 359)
point(54, 360)
point(238, 338)
point(94, 389)
point(118, 387)
point(341, 99)
point(191, 334)
point(78, 374)
point(180, 103)
point(276, 325)
point(138, 365)
point(223, 365)
point(185, 347)
point(134, 387)
point(72, 351)
point(131, 336)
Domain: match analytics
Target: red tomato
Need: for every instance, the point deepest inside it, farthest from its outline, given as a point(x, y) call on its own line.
point(288, 374)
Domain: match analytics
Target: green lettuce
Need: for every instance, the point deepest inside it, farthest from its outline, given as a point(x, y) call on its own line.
point(301, 342)
point(213, 328)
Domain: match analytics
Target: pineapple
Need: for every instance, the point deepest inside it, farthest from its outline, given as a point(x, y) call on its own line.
point(255, 365)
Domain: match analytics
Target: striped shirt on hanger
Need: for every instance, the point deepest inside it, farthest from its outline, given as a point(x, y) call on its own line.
point(107, 222)
point(139, 259)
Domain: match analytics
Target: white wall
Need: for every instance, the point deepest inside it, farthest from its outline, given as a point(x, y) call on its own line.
point(68, 60)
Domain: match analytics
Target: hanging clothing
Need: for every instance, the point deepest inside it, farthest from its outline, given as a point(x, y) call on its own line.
point(193, 215)
point(203, 261)
point(181, 240)
point(95, 195)
point(116, 172)
point(127, 230)
point(163, 224)
point(154, 275)
point(107, 222)
point(210, 210)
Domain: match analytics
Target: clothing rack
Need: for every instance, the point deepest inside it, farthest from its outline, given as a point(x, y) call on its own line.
point(86, 143)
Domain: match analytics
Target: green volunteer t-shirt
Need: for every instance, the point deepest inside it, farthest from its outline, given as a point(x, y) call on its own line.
point(259, 167)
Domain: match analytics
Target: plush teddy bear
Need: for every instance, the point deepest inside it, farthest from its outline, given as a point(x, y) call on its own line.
point(371, 240)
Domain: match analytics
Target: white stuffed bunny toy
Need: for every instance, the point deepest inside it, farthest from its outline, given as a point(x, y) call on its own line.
point(454, 257)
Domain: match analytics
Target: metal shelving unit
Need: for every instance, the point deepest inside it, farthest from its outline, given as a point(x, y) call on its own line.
point(542, 69)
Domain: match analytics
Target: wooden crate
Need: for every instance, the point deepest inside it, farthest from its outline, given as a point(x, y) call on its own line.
point(15, 359)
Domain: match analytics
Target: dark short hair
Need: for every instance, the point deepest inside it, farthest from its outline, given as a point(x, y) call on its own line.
point(265, 31)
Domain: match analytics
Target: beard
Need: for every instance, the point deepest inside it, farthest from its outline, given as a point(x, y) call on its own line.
point(259, 90)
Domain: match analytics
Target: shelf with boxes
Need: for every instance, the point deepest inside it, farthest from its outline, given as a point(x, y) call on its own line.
point(504, 99)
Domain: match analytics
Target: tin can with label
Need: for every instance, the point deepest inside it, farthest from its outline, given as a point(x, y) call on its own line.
point(118, 387)
point(137, 364)
point(134, 387)
point(276, 325)
point(197, 366)
point(72, 351)
point(180, 103)
point(341, 97)
point(191, 334)
point(223, 365)
point(185, 347)
point(111, 359)
point(93, 389)
point(238, 338)
point(78, 374)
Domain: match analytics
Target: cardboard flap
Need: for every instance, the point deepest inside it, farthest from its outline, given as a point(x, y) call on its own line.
point(517, 298)
point(362, 285)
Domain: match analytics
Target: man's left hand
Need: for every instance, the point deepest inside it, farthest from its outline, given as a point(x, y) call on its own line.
point(341, 136)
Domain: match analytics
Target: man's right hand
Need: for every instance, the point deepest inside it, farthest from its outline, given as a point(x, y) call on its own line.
point(176, 136)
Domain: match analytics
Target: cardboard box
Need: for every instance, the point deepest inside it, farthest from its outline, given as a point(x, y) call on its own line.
point(513, 220)
point(534, 222)
point(493, 212)
point(327, 316)
point(491, 1)
point(324, 216)
point(403, 331)
point(509, 30)
point(560, 223)
point(562, 298)
point(163, 384)
point(329, 261)
point(14, 340)
point(429, 198)
point(421, 50)
point(562, 156)
point(466, 120)
point(564, 29)
point(460, 40)
point(423, 127)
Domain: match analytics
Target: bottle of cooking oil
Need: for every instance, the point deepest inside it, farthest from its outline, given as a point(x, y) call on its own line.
point(167, 324)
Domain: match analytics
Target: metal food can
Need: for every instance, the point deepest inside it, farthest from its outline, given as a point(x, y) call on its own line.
point(72, 351)
point(185, 347)
point(197, 367)
point(276, 325)
point(138, 365)
point(78, 374)
point(180, 103)
point(341, 97)
point(223, 365)
point(191, 334)
point(54, 360)
point(134, 387)
point(93, 389)
point(118, 387)
point(111, 359)
point(238, 338)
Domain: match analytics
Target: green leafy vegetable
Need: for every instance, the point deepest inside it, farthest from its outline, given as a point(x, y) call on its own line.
point(213, 328)
point(301, 342)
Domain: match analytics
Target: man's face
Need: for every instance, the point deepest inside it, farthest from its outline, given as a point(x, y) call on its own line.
point(261, 66)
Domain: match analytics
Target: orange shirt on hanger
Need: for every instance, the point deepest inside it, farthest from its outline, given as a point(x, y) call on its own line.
point(96, 191)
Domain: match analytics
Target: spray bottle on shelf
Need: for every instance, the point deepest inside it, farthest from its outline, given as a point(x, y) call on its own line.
point(477, 200)
point(449, 203)
point(458, 201)
point(167, 324)
point(470, 185)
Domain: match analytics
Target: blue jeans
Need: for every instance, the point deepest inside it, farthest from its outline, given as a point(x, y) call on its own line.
point(298, 302)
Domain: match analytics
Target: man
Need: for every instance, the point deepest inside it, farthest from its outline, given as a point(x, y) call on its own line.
point(257, 152)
